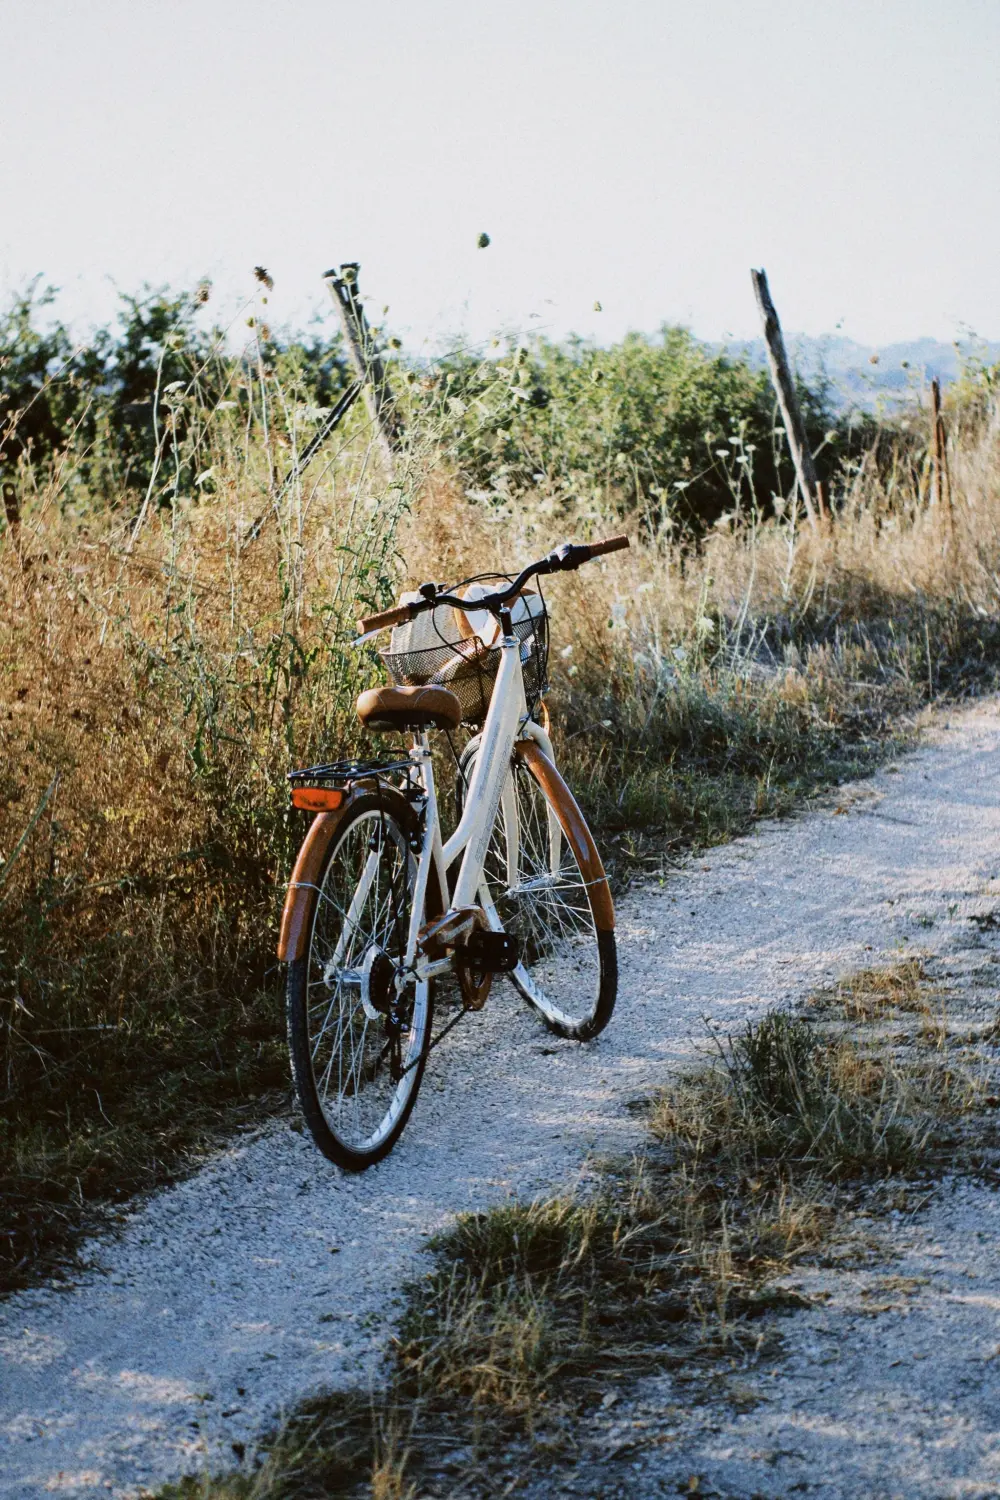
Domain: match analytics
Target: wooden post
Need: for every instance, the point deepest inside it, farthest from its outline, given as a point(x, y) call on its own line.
point(942, 480)
point(365, 357)
point(784, 386)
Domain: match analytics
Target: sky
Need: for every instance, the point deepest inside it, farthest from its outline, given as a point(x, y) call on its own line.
point(641, 154)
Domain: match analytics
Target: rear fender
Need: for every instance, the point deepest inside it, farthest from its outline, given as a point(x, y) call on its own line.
point(300, 898)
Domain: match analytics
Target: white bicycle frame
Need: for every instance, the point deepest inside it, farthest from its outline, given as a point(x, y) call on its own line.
point(506, 722)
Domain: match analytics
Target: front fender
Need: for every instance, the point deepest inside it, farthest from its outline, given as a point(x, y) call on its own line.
point(574, 826)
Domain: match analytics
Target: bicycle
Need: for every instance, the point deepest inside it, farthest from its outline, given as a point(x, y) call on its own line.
point(378, 906)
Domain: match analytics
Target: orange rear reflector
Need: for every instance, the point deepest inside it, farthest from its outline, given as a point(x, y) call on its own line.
point(318, 798)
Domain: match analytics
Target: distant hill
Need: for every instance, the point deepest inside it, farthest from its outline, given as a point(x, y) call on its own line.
point(866, 376)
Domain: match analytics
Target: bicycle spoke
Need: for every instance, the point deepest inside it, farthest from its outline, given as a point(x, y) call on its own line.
point(362, 1035)
point(547, 907)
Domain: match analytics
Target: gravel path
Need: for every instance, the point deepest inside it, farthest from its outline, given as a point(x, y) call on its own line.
point(887, 1382)
point(227, 1298)
point(888, 1386)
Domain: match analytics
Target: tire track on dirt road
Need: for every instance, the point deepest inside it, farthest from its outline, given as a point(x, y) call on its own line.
point(268, 1275)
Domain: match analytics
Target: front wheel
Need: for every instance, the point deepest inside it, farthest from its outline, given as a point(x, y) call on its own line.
point(544, 883)
point(358, 1027)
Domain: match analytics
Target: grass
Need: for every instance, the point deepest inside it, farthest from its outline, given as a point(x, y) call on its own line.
point(160, 673)
point(135, 1105)
point(709, 759)
point(536, 1313)
point(154, 700)
point(870, 994)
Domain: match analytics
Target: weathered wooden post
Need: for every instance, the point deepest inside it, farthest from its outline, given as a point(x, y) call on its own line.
point(365, 358)
point(942, 479)
point(784, 385)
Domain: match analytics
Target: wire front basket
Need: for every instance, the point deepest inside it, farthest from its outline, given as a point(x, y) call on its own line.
point(444, 648)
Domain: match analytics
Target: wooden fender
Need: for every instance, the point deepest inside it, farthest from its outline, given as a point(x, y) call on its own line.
point(578, 835)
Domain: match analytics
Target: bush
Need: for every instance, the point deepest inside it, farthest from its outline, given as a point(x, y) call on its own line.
point(141, 389)
point(664, 426)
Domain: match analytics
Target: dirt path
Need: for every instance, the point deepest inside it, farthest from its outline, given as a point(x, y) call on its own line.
point(268, 1275)
point(886, 1381)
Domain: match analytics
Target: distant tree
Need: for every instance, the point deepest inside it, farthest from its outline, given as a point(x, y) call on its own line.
point(97, 397)
point(37, 398)
point(157, 347)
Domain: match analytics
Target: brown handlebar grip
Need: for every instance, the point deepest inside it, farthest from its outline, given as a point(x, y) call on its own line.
point(610, 544)
point(388, 617)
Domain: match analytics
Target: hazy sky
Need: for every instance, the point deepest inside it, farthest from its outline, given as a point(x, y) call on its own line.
point(643, 153)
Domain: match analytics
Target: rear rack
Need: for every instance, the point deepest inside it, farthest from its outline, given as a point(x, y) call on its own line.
point(347, 772)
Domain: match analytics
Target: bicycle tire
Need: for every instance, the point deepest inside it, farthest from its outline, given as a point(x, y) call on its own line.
point(357, 1117)
point(562, 917)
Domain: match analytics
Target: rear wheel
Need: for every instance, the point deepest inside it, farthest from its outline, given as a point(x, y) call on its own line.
point(543, 883)
point(358, 1028)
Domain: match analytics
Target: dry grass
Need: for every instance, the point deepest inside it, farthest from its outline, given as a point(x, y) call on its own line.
point(155, 686)
point(153, 700)
point(889, 989)
point(842, 1104)
point(694, 693)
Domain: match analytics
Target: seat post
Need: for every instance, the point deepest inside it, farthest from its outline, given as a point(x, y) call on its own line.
point(420, 754)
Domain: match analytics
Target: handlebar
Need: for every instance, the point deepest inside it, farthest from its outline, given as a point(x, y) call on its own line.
point(564, 559)
point(388, 617)
point(610, 544)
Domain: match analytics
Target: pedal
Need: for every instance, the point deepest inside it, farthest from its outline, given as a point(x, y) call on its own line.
point(488, 952)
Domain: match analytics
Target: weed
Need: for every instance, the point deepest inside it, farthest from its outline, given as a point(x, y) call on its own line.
point(870, 993)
